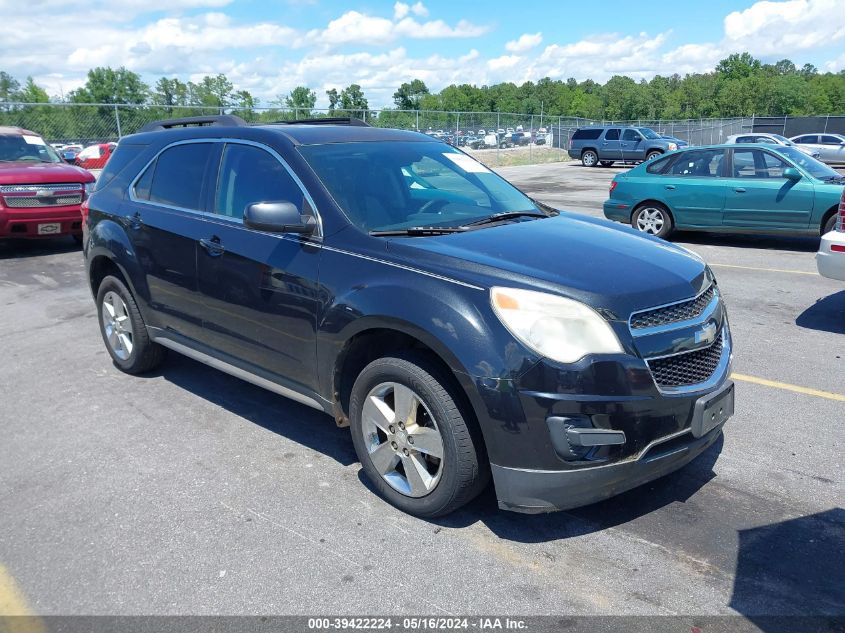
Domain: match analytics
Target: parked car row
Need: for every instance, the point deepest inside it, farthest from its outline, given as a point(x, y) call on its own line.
point(93, 156)
point(491, 139)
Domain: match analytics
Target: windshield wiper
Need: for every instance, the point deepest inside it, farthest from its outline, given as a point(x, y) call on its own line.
point(419, 230)
point(507, 215)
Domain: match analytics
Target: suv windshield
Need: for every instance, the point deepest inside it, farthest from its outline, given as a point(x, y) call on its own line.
point(26, 148)
point(395, 185)
point(649, 133)
point(815, 168)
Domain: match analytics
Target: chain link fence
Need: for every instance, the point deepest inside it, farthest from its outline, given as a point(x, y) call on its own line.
point(496, 138)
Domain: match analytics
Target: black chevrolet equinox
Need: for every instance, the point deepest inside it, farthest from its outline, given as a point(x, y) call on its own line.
point(460, 328)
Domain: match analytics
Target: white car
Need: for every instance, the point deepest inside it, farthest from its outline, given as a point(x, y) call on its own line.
point(831, 147)
point(771, 139)
point(831, 256)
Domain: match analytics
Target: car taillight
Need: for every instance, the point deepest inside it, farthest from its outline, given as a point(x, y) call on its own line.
point(613, 184)
point(841, 226)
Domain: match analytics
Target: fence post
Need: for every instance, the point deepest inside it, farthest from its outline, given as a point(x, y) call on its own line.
point(117, 120)
point(826, 121)
point(418, 120)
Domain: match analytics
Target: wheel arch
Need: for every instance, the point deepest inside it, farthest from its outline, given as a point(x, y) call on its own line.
point(826, 216)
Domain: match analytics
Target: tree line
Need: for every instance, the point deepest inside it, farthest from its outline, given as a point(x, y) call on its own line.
point(740, 85)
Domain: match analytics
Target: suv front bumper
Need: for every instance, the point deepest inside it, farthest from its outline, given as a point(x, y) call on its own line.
point(24, 222)
point(534, 491)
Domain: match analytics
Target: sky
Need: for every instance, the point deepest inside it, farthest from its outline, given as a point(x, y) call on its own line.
point(270, 46)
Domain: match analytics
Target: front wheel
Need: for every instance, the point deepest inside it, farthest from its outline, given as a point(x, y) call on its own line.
point(607, 163)
point(652, 155)
point(830, 224)
point(413, 441)
point(653, 219)
point(589, 158)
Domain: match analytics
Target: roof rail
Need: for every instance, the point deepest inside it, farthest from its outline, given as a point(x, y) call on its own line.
point(229, 120)
point(329, 120)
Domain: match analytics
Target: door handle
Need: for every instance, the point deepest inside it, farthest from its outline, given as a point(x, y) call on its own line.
point(213, 246)
point(670, 186)
point(135, 221)
point(739, 189)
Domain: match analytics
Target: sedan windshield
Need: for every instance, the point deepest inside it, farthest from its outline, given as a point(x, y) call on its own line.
point(815, 168)
point(26, 148)
point(399, 185)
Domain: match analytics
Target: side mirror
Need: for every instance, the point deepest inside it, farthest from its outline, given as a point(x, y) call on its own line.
point(790, 173)
point(278, 217)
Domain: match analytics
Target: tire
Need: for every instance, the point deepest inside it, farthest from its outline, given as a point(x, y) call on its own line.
point(652, 218)
point(653, 155)
point(830, 224)
point(589, 158)
point(385, 445)
point(606, 163)
point(129, 346)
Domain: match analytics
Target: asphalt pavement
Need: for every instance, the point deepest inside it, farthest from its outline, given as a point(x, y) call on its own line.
point(191, 492)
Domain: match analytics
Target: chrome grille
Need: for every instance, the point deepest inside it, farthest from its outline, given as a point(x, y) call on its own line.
point(39, 196)
point(683, 311)
point(688, 368)
point(20, 202)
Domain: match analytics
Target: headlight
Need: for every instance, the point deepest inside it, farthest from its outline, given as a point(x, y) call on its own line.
point(557, 328)
point(673, 147)
point(89, 189)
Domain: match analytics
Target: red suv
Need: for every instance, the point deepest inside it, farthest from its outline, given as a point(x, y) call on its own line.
point(40, 194)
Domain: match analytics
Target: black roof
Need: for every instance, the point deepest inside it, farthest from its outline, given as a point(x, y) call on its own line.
point(318, 134)
point(298, 134)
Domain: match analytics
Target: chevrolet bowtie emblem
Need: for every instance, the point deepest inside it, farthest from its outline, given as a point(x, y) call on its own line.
point(44, 193)
point(707, 334)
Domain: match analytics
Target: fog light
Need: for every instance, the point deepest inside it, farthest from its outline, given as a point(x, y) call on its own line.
point(575, 437)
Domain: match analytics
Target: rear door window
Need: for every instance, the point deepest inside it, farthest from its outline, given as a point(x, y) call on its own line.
point(178, 177)
point(612, 134)
point(700, 162)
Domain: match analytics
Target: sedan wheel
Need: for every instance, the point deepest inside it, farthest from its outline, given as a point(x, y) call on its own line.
point(402, 439)
point(653, 220)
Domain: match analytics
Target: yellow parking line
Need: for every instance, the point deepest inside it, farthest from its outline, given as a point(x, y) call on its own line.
point(787, 387)
point(768, 270)
point(13, 603)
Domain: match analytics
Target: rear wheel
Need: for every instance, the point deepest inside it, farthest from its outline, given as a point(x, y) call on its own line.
point(652, 218)
point(589, 158)
point(606, 163)
point(413, 441)
point(123, 329)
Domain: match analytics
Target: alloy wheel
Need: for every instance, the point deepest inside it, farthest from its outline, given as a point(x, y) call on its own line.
point(650, 220)
point(117, 325)
point(402, 439)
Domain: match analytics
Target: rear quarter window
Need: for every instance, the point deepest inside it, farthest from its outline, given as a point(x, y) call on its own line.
point(120, 158)
point(659, 166)
point(588, 134)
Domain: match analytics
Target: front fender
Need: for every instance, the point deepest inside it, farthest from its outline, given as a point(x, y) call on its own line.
point(455, 322)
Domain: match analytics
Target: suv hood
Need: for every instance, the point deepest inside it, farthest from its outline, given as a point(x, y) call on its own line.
point(594, 261)
point(27, 172)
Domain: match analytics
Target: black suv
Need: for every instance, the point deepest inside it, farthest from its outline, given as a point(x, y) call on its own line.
point(390, 280)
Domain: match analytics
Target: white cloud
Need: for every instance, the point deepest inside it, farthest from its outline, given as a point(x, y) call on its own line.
point(526, 42)
point(190, 38)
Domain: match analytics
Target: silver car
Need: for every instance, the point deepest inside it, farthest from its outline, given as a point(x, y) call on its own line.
point(768, 138)
point(831, 147)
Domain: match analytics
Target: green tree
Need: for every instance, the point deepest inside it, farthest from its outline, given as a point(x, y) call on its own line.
point(170, 93)
point(32, 93)
point(334, 99)
point(353, 101)
point(9, 87)
point(107, 85)
point(302, 99)
point(409, 95)
point(215, 92)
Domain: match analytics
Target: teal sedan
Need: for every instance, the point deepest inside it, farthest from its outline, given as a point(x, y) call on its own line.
point(728, 188)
